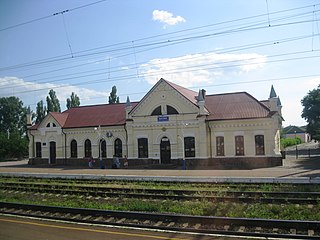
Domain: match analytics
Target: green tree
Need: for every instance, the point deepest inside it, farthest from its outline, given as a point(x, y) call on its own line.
point(311, 112)
point(113, 98)
point(73, 101)
point(41, 112)
point(53, 104)
point(12, 115)
point(13, 141)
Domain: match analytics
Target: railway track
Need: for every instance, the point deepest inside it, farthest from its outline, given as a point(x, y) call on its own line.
point(172, 222)
point(171, 194)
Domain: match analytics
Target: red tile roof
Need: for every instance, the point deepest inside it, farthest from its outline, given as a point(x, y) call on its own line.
point(187, 93)
point(234, 106)
point(227, 106)
point(61, 118)
point(103, 115)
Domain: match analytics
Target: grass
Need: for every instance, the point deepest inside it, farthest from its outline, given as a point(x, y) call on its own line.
point(200, 208)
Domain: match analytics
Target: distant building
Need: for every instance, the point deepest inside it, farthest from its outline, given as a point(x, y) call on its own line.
point(294, 131)
point(169, 124)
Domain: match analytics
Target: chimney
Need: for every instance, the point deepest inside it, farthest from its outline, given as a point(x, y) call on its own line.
point(201, 102)
point(29, 120)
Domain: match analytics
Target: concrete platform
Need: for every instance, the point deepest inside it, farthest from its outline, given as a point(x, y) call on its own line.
point(303, 170)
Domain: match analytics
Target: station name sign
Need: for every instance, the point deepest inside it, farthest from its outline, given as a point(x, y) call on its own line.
point(163, 118)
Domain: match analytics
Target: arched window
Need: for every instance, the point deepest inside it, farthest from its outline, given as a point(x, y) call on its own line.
point(103, 148)
point(118, 147)
point(156, 111)
point(171, 110)
point(142, 147)
point(87, 148)
point(74, 149)
point(189, 147)
point(259, 142)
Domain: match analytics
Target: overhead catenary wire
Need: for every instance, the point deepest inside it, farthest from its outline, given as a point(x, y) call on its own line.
point(120, 69)
point(175, 71)
point(126, 50)
point(129, 47)
point(51, 15)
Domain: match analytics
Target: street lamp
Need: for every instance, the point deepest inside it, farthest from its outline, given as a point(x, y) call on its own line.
point(98, 130)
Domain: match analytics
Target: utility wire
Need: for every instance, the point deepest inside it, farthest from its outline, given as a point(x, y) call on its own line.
point(234, 30)
point(49, 16)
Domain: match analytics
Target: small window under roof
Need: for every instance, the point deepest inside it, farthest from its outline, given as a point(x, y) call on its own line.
point(156, 111)
point(171, 110)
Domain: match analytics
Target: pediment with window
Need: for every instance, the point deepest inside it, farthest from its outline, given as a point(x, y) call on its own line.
point(164, 99)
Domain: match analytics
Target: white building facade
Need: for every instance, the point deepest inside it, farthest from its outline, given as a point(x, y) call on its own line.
point(170, 125)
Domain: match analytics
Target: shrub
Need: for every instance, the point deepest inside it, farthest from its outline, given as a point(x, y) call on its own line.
point(287, 142)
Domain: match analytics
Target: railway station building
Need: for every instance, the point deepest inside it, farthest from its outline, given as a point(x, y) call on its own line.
point(171, 126)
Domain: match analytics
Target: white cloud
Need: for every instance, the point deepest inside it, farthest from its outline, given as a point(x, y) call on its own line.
point(166, 18)
point(31, 92)
point(192, 70)
point(291, 99)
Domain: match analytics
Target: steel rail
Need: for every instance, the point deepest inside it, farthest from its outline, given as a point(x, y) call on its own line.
point(165, 191)
point(291, 229)
point(247, 197)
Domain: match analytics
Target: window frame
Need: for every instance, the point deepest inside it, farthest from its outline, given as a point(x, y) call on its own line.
point(38, 150)
point(143, 151)
point(259, 144)
point(73, 149)
point(118, 147)
point(239, 145)
point(103, 148)
point(87, 148)
point(189, 147)
point(220, 146)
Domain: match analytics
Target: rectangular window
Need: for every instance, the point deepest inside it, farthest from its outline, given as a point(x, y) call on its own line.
point(38, 150)
point(259, 141)
point(239, 145)
point(220, 146)
point(143, 147)
point(189, 147)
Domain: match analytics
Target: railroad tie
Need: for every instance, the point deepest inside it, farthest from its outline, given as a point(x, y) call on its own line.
point(146, 222)
point(258, 229)
point(110, 219)
point(197, 226)
point(293, 231)
point(310, 232)
point(226, 227)
point(97, 198)
point(241, 229)
point(98, 219)
point(310, 206)
point(87, 217)
point(158, 224)
point(185, 225)
point(121, 220)
point(76, 216)
point(170, 224)
point(275, 230)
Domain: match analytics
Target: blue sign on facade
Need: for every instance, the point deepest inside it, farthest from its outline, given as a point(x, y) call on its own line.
point(163, 118)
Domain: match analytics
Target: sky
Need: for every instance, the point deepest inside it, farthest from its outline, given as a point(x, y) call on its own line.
point(88, 46)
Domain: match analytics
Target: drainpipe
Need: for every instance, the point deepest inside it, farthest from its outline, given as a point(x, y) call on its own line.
point(125, 129)
point(65, 145)
point(32, 143)
point(210, 140)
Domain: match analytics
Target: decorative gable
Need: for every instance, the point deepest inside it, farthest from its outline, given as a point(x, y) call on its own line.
point(164, 99)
